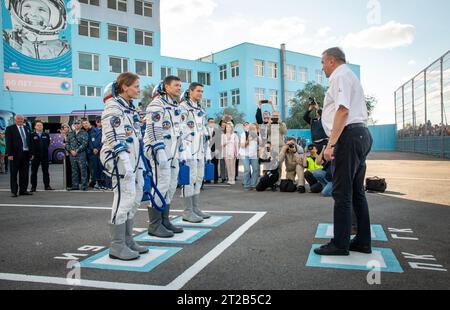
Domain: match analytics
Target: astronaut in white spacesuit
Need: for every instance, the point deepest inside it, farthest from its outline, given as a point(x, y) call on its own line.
point(36, 28)
point(120, 155)
point(197, 146)
point(162, 146)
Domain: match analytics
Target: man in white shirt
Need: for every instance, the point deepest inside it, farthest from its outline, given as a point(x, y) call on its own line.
point(344, 120)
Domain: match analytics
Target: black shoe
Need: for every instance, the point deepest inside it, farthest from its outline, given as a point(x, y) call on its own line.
point(33, 190)
point(25, 194)
point(355, 247)
point(74, 189)
point(85, 189)
point(14, 195)
point(49, 188)
point(331, 250)
point(301, 189)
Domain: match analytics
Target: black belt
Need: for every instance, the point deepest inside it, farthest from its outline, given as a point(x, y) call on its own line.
point(357, 125)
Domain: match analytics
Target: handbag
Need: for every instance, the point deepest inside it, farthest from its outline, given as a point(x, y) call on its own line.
point(184, 175)
point(376, 184)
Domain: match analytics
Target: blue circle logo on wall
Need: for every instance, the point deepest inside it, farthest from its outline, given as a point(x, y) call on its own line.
point(65, 86)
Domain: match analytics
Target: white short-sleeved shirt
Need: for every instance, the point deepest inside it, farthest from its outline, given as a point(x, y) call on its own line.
point(345, 90)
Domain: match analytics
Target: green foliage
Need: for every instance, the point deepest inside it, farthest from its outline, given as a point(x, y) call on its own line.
point(238, 117)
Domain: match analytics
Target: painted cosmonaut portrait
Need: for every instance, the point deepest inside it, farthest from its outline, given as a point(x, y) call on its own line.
point(37, 28)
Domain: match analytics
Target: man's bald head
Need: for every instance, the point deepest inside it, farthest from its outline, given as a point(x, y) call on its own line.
point(19, 119)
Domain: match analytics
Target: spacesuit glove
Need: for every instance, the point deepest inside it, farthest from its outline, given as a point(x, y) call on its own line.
point(163, 161)
point(125, 159)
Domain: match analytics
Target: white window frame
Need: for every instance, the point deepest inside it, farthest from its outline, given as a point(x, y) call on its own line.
point(291, 72)
point(319, 76)
point(117, 5)
point(273, 70)
point(94, 58)
point(89, 2)
point(148, 68)
point(223, 99)
point(168, 71)
point(273, 96)
point(304, 74)
point(207, 77)
point(235, 97)
point(146, 35)
point(145, 5)
point(118, 30)
point(123, 61)
point(260, 94)
point(290, 95)
point(97, 90)
point(223, 72)
point(234, 69)
point(206, 103)
point(188, 74)
point(90, 26)
point(259, 67)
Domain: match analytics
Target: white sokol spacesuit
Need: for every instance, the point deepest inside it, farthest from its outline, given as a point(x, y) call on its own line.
point(198, 150)
point(36, 28)
point(162, 144)
point(120, 156)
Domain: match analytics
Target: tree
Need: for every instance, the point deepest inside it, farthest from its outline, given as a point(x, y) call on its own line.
point(238, 117)
point(300, 104)
point(371, 102)
point(147, 96)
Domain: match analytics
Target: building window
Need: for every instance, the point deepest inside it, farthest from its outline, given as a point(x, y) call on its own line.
point(88, 61)
point(89, 28)
point(304, 75)
point(118, 64)
point(117, 33)
point(259, 68)
point(90, 91)
point(273, 96)
point(223, 72)
point(91, 2)
point(204, 78)
point(144, 68)
point(223, 99)
point(206, 103)
point(235, 97)
point(119, 5)
point(290, 96)
point(143, 8)
point(319, 77)
point(185, 75)
point(235, 69)
point(259, 94)
point(165, 72)
point(143, 37)
point(273, 70)
point(290, 71)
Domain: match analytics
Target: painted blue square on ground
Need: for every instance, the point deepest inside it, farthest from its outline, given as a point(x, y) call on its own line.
point(214, 221)
point(384, 258)
point(189, 236)
point(325, 231)
point(145, 263)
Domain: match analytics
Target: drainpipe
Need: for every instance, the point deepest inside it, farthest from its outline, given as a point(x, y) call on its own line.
point(283, 81)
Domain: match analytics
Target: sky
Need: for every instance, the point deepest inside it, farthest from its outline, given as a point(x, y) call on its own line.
point(392, 40)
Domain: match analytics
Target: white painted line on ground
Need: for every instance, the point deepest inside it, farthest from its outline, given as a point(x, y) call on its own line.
point(82, 283)
point(418, 179)
point(176, 284)
point(186, 276)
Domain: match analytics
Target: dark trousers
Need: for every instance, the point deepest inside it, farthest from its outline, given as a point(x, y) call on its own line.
point(68, 172)
point(35, 163)
point(95, 168)
point(215, 161)
point(20, 165)
point(349, 169)
point(269, 179)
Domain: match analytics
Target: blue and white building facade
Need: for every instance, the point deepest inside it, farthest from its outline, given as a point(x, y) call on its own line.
point(115, 36)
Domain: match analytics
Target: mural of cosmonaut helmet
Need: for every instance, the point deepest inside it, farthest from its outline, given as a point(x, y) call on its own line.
point(42, 30)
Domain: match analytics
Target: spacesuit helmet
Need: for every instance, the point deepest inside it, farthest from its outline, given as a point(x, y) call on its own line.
point(44, 19)
point(158, 90)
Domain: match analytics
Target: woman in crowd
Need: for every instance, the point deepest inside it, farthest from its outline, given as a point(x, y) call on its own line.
point(230, 148)
point(250, 142)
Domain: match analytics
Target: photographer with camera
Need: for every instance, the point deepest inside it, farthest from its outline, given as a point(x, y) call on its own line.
point(292, 156)
point(271, 127)
point(318, 135)
point(313, 162)
point(268, 158)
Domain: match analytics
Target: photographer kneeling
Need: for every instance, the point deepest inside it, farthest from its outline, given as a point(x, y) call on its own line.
point(291, 155)
point(313, 162)
point(268, 157)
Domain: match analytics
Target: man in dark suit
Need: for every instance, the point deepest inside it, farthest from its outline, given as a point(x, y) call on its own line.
point(40, 141)
point(18, 150)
